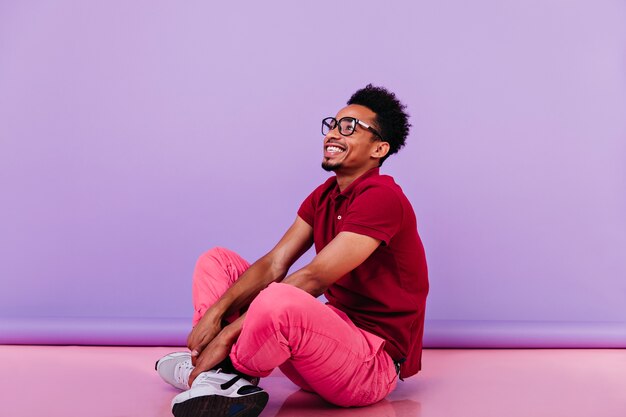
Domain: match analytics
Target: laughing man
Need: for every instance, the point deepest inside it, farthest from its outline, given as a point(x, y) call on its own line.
point(369, 264)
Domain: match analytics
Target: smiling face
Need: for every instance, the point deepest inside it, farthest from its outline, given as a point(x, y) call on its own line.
point(357, 152)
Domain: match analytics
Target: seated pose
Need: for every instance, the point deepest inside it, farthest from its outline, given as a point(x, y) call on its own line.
point(369, 263)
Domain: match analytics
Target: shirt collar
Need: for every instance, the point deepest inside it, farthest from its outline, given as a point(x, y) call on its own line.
point(350, 188)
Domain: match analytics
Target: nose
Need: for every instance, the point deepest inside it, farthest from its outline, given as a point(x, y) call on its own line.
point(333, 134)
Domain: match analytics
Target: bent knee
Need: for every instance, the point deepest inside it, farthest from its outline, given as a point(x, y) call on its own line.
point(281, 301)
point(214, 252)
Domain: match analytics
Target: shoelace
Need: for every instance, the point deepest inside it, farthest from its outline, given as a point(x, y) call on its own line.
point(182, 371)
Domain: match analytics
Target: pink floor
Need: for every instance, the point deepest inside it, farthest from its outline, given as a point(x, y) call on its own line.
point(55, 381)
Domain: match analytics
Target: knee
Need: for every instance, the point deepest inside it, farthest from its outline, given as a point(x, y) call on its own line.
point(205, 262)
point(281, 303)
point(217, 256)
point(213, 253)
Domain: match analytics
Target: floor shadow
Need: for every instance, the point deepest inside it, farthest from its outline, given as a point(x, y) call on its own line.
point(303, 404)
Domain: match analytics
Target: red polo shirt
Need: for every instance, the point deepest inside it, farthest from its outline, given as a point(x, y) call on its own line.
point(386, 294)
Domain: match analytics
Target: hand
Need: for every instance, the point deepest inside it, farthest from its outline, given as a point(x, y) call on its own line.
point(215, 352)
point(202, 334)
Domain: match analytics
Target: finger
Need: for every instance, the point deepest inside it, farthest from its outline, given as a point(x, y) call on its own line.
point(196, 346)
point(193, 376)
point(197, 349)
point(191, 342)
point(199, 343)
point(202, 363)
point(194, 356)
point(206, 360)
point(197, 370)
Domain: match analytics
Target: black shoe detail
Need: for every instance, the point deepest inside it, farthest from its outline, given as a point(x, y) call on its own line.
point(216, 405)
point(230, 383)
point(227, 367)
point(248, 389)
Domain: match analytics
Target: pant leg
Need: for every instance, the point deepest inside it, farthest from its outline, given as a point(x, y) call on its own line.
point(216, 270)
point(323, 350)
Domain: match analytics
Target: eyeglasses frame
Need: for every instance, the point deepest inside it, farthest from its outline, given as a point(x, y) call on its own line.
point(357, 121)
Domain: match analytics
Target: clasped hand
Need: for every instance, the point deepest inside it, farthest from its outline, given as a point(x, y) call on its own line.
point(209, 345)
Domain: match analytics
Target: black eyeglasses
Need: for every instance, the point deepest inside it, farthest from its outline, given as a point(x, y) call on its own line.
point(346, 126)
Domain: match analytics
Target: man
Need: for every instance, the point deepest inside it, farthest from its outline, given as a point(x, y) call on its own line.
point(370, 264)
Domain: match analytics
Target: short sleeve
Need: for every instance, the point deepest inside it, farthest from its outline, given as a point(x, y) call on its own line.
point(376, 212)
point(307, 209)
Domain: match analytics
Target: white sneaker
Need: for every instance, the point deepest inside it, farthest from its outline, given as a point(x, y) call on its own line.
point(175, 369)
point(219, 394)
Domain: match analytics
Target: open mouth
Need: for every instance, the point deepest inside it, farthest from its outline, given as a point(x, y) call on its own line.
point(333, 149)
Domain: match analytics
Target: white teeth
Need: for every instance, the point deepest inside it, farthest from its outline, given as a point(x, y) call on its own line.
point(334, 149)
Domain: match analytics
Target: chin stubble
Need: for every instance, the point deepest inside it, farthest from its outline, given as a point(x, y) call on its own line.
point(330, 167)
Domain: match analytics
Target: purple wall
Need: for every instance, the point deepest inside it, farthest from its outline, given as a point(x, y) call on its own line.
point(135, 135)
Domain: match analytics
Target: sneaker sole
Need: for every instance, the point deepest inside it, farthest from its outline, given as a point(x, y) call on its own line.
point(216, 405)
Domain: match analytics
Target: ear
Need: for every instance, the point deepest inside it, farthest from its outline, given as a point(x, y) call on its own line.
point(380, 150)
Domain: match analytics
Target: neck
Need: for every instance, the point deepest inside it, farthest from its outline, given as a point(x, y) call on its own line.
point(344, 179)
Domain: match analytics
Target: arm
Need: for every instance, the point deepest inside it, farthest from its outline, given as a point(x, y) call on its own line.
point(271, 267)
point(344, 253)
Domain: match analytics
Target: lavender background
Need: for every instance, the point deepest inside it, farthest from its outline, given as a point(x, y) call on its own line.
point(136, 135)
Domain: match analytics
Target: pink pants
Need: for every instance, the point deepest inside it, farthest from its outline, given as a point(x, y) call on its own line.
point(315, 345)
